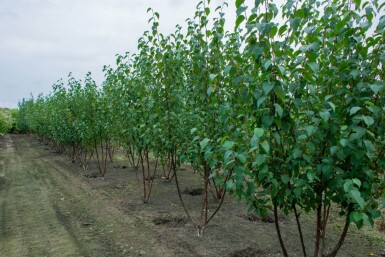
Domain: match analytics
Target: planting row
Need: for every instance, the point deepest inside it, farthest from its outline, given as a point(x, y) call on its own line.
point(285, 112)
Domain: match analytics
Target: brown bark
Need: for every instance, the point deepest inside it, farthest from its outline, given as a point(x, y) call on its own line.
point(278, 229)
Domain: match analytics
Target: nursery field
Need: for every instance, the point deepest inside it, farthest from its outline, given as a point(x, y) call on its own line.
point(282, 112)
point(52, 207)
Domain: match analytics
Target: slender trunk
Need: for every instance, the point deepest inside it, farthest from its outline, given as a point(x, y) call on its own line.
point(168, 166)
point(319, 230)
point(150, 178)
point(143, 177)
point(216, 191)
point(277, 228)
point(101, 157)
point(181, 200)
point(222, 197)
point(73, 154)
point(337, 247)
point(130, 154)
point(204, 216)
point(299, 228)
point(172, 166)
point(111, 153)
point(326, 212)
point(97, 157)
point(219, 206)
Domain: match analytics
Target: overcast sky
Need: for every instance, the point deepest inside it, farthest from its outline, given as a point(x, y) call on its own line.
point(42, 41)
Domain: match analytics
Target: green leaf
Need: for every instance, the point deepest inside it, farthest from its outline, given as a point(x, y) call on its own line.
point(281, 69)
point(348, 185)
point(265, 146)
point(357, 182)
point(297, 153)
point(368, 120)
point(356, 195)
point(333, 150)
point(259, 159)
point(344, 142)
point(239, 20)
point(273, 31)
point(267, 64)
point(228, 145)
point(300, 13)
point(355, 73)
point(325, 115)
point(369, 145)
point(358, 3)
point(230, 184)
point(212, 77)
point(279, 93)
point(375, 214)
point(204, 143)
point(285, 179)
point(267, 87)
point(278, 109)
point(382, 56)
point(354, 110)
point(262, 173)
point(227, 69)
point(210, 90)
point(238, 3)
point(258, 132)
point(311, 176)
point(376, 88)
point(241, 158)
point(383, 202)
point(298, 191)
point(282, 29)
point(310, 130)
point(314, 66)
point(261, 100)
point(357, 216)
point(267, 120)
point(302, 137)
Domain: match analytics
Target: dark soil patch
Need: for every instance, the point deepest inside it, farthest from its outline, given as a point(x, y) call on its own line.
point(381, 224)
point(150, 178)
point(2, 182)
point(123, 167)
point(268, 219)
point(193, 191)
point(170, 221)
point(92, 175)
point(248, 252)
point(119, 187)
point(87, 222)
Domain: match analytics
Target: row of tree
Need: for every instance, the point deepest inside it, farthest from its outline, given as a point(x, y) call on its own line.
point(285, 112)
point(7, 120)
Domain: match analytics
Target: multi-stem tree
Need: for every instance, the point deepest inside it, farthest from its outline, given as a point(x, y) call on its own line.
point(318, 87)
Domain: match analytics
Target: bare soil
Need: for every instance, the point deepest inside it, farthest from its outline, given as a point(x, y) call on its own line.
point(52, 207)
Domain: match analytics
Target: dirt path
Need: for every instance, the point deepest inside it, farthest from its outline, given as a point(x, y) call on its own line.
point(43, 212)
point(51, 207)
point(31, 224)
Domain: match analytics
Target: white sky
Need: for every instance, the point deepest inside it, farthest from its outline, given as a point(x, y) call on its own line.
point(42, 41)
